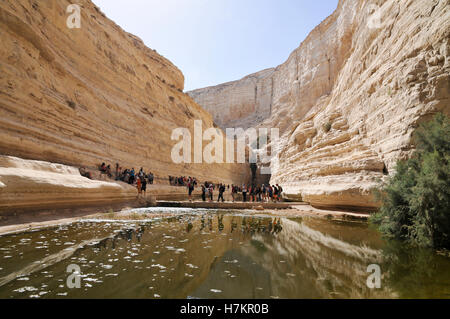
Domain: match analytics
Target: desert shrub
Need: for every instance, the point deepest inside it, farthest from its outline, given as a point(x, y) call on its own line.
point(416, 200)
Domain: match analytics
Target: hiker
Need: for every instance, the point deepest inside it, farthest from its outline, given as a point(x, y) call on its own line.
point(108, 171)
point(252, 193)
point(132, 177)
point(258, 194)
point(204, 193)
point(233, 192)
point(139, 186)
point(270, 193)
point(221, 191)
point(102, 170)
point(211, 192)
point(144, 186)
point(244, 192)
point(275, 193)
point(280, 191)
point(190, 187)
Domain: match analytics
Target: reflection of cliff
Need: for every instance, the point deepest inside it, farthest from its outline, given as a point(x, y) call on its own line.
point(337, 268)
point(298, 262)
point(203, 256)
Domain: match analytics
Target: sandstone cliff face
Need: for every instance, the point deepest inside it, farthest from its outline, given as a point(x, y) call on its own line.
point(91, 95)
point(348, 100)
point(27, 185)
point(241, 103)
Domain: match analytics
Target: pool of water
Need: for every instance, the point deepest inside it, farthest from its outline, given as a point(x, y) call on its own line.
point(209, 254)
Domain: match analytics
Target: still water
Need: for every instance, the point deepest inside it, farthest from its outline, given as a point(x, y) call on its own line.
point(212, 254)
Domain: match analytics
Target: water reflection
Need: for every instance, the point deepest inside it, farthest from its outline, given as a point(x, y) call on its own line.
point(216, 256)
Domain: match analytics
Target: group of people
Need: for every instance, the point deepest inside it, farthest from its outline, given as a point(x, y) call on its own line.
point(263, 193)
point(182, 180)
point(252, 193)
point(208, 191)
point(139, 179)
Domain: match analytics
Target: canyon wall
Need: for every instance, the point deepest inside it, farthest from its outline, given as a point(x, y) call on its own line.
point(239, 103)
point(95, 94)
point(348, 100)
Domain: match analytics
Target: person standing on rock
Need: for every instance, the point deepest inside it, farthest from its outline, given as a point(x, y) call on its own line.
point(280, 192)
point(258, 194)
point(132, 175)
point(139, 186)
point(221, 191)
point(190, 186)
point(275, 193)
point(144, 187)
point(233, 192)
point(211, 192)
point(264, 192)
point(204, 193)
point(244, 192)
point(270, 193)
point(151, 178)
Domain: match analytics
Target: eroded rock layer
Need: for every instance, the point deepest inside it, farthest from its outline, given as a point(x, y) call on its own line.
point(348, 100)
point(96, 94)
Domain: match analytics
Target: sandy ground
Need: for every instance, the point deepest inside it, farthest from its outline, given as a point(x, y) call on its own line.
point(34, 222)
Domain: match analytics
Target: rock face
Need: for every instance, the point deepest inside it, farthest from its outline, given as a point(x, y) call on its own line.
point(348, 100)
point(34, 186)
point(241, 103)
point(28, 185)
point(96, 94)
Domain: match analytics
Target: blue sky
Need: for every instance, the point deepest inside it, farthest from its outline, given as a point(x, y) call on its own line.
point(216, 41)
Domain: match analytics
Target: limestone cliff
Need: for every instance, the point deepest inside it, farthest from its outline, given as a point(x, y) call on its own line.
point(240, 103)
point(348, 100)
point(96, 94)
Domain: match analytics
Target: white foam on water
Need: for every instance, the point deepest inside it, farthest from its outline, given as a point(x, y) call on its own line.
point(23, 278)
point(216, 291)
point(192, 266)
point(27, 288)
point(158, 266)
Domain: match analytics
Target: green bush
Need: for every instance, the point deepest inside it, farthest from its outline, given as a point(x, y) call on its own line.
point(416, 201)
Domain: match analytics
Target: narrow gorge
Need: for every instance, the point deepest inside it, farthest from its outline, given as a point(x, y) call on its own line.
point(117, 182)
point(348, 99)
point(346, 102)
